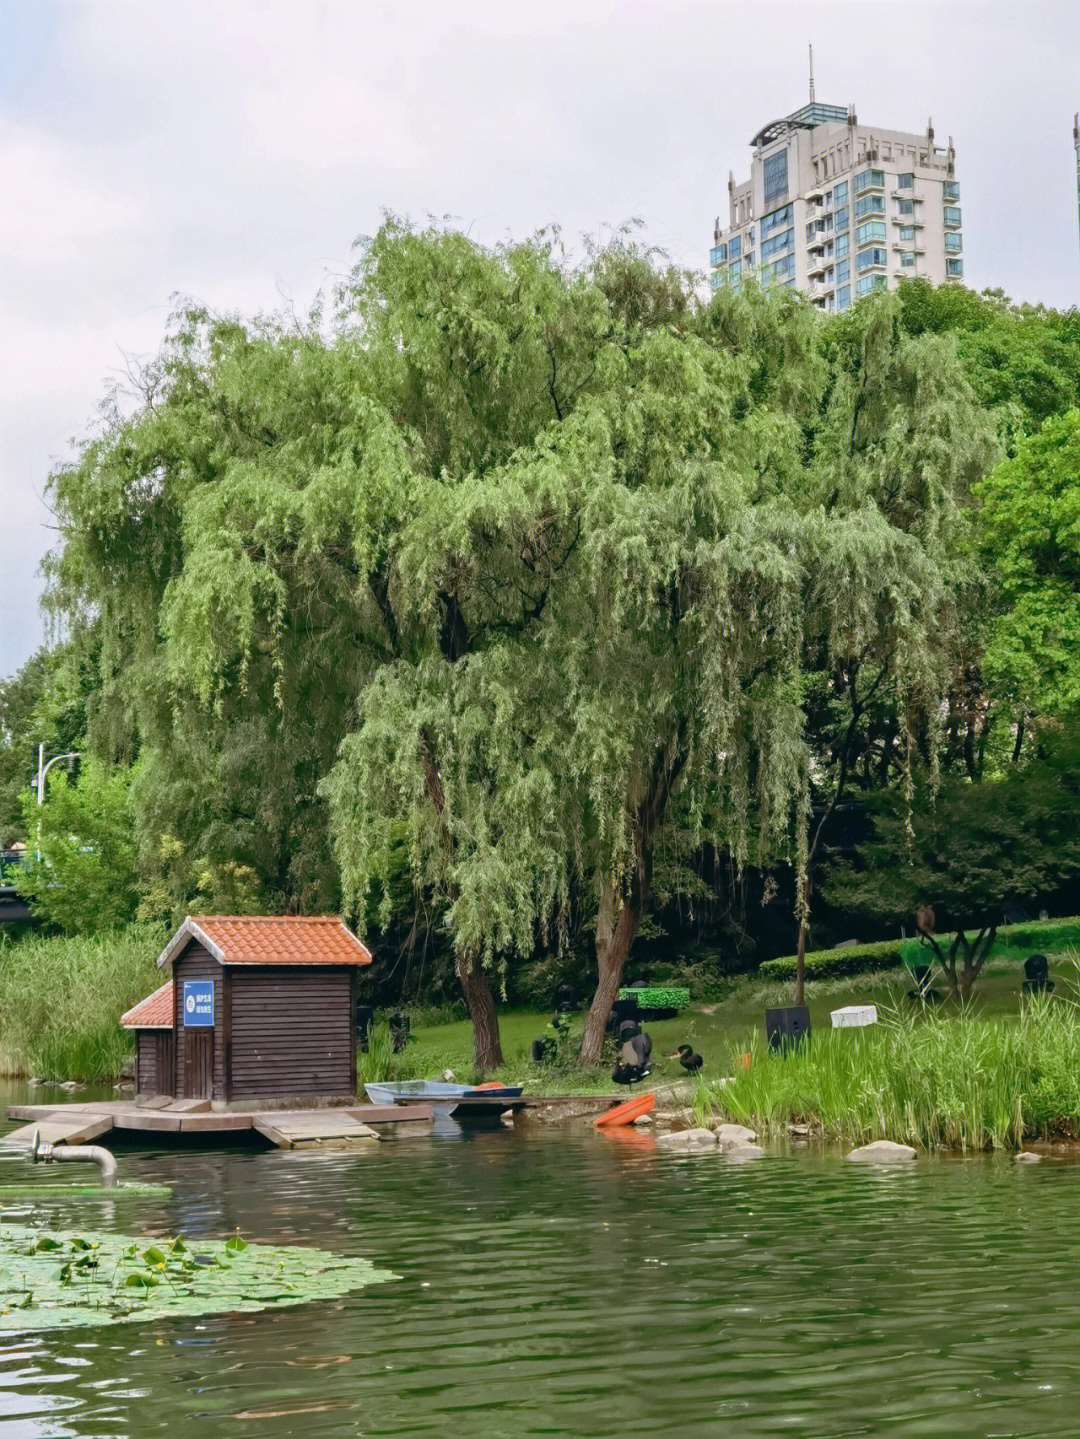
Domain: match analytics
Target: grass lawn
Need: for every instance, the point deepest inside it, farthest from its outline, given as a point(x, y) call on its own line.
point(714, 1030)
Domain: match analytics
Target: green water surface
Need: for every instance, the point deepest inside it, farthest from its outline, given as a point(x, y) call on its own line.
point(555, 1282)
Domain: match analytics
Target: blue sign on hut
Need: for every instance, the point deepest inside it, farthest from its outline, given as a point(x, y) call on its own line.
point(258, 1007)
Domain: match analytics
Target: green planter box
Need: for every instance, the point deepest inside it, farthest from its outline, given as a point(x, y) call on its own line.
point(658, 996)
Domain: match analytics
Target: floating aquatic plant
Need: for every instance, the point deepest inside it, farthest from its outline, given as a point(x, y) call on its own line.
point(50, 1280)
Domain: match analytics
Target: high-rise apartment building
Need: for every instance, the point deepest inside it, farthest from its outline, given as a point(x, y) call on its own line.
point(838, 209)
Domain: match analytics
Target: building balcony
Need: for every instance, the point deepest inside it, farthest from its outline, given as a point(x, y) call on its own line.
point(816, 263)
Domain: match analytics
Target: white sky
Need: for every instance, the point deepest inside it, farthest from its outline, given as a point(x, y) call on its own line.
point(232, 151)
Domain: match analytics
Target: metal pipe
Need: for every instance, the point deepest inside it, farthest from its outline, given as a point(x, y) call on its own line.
point(74, 1153)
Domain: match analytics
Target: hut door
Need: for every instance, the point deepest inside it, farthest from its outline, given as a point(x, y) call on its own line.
point(198, 1064)
point(164, 1065)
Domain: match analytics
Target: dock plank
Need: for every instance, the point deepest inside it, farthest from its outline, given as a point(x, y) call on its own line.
point(214, 1123)
point(79, 1129)
point(391, 1113)
point(311, 1126)
point(148, 1121)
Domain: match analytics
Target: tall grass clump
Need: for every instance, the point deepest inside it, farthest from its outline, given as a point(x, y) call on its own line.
point(373, 1064)
point(61, 999)
point(951, 1081)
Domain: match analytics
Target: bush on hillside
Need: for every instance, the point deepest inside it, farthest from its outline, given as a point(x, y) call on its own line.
point(834, 963)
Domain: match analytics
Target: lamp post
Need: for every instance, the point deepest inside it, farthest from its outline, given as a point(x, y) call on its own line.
point(42, 770)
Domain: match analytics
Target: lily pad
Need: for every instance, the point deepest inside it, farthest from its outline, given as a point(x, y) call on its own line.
point(50, 1280)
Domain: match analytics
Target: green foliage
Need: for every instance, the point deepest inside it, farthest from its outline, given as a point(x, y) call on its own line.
point(1029, 529)
point(655, 996)
point(970, 851)
point(46, 702)
point(1013, 942)
point(832, 963)
point(61, 1000)
point(1023, 361)
point(961, 1083)
point(86, 879)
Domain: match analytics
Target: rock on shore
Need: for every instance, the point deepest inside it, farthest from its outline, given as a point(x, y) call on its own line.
point(882, 1151)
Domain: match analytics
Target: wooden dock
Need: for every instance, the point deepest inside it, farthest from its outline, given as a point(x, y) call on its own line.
point(287, 1128)
point(330, 1125)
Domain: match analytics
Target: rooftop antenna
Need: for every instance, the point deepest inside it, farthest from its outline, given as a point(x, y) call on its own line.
point(811, 74)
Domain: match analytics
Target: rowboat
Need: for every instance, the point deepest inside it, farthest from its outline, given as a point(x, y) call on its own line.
point(458, 1101)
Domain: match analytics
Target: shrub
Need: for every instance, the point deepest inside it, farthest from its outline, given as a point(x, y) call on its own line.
point(1053, 935)
point(832, 963)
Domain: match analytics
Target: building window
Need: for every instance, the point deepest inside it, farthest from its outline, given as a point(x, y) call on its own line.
point(954, 241)
point(717, 278)
point(872, 230)
point(907, 259)
point(843, 271)
point(775, 243)
point(840, 193)
point(869, 283)
point(952, 215)
point(735, 247)
point(776, 220)
point(905, 182)
point(843, 219)
point(869, 180)
point(954, 268)
point(778, 269)
point(951, 189)
point(718, 254)
point(843, 244)
point(907, 232)
point(843, 297)
point(905, 207)
point(872, 259)
point(871, 205)
point(775, 176)
point(734, 271)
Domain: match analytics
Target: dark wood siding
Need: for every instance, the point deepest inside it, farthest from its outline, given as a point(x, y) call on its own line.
point(154, 1062)
point(195, 962)
point(292, 1030)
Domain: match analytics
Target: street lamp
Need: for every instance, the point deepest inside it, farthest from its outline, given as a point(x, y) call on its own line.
point(42, 770)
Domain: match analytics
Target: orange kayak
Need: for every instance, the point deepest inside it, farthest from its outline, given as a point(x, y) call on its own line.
point(625, 1113)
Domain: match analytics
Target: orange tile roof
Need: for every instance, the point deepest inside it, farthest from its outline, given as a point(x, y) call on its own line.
point(270, 939)
point(153, 1012)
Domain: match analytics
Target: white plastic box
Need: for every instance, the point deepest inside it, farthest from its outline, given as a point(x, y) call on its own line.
point(854, 1016)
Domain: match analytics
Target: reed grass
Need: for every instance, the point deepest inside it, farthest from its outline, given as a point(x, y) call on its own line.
point(61, 999)
point(951, 1081)
point(373, 1064)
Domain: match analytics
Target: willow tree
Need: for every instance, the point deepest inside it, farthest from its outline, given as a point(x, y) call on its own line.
point(900, 438)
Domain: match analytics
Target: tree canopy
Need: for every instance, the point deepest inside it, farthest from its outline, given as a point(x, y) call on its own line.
point(522, 579)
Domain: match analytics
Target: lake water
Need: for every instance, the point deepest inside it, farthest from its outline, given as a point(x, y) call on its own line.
point(554, 1282)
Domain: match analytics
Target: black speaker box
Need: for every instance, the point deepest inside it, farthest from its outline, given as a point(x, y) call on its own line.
point(787, 1026)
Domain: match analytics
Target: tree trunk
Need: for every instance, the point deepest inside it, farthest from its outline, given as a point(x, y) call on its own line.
point(487, 1051)
point(800, 963)
point(616, 926)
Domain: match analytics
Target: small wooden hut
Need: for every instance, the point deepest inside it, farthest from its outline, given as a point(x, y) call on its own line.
point(258, 1007)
